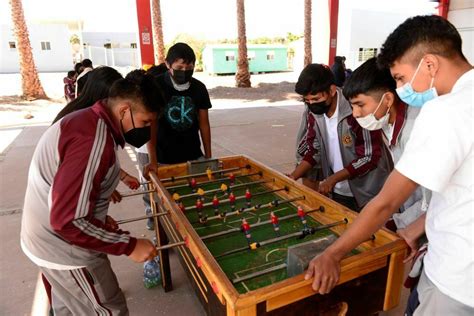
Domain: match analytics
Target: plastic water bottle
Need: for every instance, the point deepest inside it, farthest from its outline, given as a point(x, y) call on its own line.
point(151, 273)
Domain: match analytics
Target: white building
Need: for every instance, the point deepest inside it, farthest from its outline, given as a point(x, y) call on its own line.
point(461, 14)
point(111, 49)
point(50, 45)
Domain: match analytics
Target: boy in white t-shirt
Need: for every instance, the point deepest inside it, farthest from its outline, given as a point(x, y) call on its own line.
point(425, 58)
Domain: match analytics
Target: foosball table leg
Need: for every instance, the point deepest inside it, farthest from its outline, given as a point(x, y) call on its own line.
point(161, 240)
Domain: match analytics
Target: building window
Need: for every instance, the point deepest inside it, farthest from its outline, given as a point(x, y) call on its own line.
point(270, 55)
point(366, 53)
point(108, 45)
point(250, 55)
point(229, 56)
point(12, 45)
point(133, 45)
point(45, 46)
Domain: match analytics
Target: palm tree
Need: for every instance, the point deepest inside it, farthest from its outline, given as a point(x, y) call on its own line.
point(31, 85)
point(242, 77)
point(158, 32)
point(307, 33)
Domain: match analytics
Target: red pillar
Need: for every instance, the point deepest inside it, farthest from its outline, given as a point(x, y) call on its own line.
point(145, 32)
point(443, 8)
point(333, 19)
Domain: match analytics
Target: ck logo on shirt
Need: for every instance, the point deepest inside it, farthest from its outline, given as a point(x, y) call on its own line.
point(180, 113)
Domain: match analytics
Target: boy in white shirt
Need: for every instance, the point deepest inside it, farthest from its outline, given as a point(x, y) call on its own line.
point(425, 58)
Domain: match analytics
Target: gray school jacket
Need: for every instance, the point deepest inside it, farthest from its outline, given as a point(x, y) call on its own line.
point(363, 152)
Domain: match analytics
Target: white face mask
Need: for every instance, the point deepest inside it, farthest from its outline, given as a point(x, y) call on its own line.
point(370, 122)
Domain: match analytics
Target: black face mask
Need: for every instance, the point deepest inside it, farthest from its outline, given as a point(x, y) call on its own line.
point(318, 108)
point(137, 137)
point(182, 76)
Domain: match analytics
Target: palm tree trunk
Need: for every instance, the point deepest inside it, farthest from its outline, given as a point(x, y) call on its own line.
point(308, 58)
point(31, 85)
point(158, 32)
point(242, 77)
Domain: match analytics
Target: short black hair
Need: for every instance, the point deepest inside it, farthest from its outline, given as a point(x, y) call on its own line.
point(180, 51)
point(139, 87)
point(87, 63)
point(313, 79)
point(432, 34)
point(157, 70)
point(369, 79)
point(77, 67)
point(71, 73)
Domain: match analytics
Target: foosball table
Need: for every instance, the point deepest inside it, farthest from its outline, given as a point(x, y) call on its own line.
point(245, 234)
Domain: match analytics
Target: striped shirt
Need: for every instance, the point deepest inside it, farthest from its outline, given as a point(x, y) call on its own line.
point(73, 172)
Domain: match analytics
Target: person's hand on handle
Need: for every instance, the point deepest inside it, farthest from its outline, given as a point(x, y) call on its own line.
point(326, 186)
point(144, 251)
point(324, 269)
point(116, 197)
point(131, 181)
point(148, 168)
point(110, 223)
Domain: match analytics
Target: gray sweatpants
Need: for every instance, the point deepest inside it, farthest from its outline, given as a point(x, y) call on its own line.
point(86, 291)
point(433, 302)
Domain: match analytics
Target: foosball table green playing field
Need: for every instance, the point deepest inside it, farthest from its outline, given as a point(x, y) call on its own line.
point(246, 233)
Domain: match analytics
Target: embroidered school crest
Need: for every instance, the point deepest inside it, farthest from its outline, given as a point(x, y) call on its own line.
point(347, 140)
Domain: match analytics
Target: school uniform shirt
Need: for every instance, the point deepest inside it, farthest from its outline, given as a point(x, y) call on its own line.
point(178, 129)
point(73, 172)
point(334, 151)
point(439, 156)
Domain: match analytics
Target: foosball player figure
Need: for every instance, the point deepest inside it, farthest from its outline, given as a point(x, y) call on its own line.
point(245, 228)
point(232, 201)
point(231, 179)
point(182, 207)
point(199, 207)
point(224, 189)
point(176, 197)
point(276, 225)
point(302, 215)
point(215, 204)
point(209, 173)
point(193, 185)
point(248, 197)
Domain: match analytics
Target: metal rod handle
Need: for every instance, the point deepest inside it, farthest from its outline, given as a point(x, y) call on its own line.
point(129, 220)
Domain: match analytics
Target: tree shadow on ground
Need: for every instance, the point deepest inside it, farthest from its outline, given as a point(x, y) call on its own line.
point(270, 92)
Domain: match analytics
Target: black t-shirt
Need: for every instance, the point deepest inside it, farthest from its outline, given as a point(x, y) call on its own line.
point(178, 129)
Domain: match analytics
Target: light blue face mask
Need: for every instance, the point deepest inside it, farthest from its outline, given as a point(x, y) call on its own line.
point(413, 98)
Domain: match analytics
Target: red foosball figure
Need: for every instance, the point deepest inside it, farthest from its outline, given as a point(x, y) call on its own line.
point(232, 201)
point(231, 179)
point(193, 184)
point(302, 216)
point(199, 205)
point(215, 204)
point(275, 223)
point(182, 207)
point(245, 227)
point(248, 197)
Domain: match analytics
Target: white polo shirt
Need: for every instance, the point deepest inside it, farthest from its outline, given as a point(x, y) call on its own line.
point(439, 156)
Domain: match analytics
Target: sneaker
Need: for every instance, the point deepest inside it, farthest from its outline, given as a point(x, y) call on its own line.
point(150, 224)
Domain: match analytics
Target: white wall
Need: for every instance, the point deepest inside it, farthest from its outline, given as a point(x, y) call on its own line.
point(59, 58)
point(461, 14)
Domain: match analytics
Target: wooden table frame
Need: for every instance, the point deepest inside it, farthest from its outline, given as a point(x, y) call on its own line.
point(385, 252)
